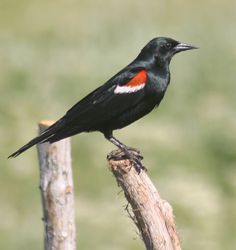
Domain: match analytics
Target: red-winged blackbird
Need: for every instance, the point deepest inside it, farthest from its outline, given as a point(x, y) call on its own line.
point(126, 97)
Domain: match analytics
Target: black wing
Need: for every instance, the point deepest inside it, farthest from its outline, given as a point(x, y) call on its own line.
point(103, 103)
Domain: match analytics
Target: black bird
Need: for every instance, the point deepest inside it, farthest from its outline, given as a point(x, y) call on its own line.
point(126, 97)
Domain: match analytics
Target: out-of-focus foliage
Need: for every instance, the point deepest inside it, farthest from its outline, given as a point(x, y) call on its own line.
point(52, 53)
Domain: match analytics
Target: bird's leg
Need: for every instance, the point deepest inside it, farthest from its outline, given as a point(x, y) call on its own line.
point(131, 153)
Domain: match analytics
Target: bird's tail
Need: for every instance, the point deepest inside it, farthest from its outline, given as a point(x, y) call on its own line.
point(44, 137)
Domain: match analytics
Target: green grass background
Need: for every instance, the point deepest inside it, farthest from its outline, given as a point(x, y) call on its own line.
point(52, 53)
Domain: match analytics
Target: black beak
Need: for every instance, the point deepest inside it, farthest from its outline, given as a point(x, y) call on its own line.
point(183, 46)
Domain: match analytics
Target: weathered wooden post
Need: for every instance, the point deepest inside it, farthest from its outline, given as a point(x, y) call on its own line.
point(56, 185)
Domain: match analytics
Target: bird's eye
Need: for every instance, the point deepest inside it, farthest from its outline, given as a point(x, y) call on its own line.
point(168, 45)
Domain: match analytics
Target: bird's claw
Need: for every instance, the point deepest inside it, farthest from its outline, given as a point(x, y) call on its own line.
point(135, 157)
point(135, 153)
point(128, 153)
point(138, 165)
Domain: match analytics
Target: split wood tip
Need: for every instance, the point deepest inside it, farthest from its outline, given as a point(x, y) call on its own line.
point(46, 123)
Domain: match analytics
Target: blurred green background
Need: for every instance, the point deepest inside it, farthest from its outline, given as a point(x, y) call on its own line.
point(52, 53)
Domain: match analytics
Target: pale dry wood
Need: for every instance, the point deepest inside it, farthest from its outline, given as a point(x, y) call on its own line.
point(152, 215)
point(56, 185)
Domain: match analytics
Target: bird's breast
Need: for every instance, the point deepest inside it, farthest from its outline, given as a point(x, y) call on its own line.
point(156, 88)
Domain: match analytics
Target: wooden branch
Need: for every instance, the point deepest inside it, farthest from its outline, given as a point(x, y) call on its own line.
point(152, 215)
point(56, 185)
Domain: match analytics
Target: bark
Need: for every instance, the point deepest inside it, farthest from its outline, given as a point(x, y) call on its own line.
point(152, 215)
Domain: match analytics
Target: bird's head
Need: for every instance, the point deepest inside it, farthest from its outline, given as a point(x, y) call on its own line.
point(163, 49)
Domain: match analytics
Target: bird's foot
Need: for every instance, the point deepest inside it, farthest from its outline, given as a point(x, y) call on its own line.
point(128, 153)
point(133, 151)
point(135, 157)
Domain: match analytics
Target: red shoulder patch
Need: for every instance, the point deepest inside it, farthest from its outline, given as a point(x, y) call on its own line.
point(138, 79)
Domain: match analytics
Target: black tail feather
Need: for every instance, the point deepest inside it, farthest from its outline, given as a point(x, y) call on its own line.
point(64, 133)
point(40, 139)
point(44, 137)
